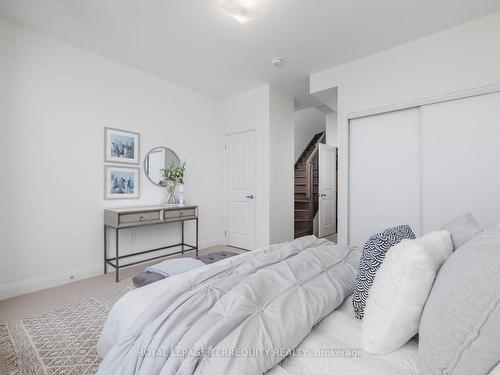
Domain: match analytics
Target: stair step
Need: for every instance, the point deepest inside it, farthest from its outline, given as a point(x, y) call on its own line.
point(303, 168)
point(304, 206)
point(302, 165)
point(301, 197)
point(303, 232)
point(303, 180)
point(299, 180)
point(301, 189)
point(300, 174)
point(303, 225)
point(303, 214)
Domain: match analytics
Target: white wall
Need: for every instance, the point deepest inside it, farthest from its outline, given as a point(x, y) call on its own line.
point(461, 58)
point(55, 101)
point(332, 128)
point(281, 141)
point(308, 122)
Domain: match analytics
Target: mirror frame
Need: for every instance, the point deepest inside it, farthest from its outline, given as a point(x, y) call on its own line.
point(146, 159)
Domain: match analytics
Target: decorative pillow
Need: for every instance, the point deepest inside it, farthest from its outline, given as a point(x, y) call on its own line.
point(462, 229)
point(460, 327)
point(398, 294)
point(371, 259)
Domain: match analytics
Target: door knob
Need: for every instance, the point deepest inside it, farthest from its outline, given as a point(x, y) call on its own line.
point(250, 196)
point(322, 195)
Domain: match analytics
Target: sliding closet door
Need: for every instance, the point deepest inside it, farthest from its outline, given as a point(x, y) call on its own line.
point(461, 160)
point(384, 170)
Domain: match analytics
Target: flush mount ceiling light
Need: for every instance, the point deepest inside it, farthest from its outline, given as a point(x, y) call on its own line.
point(277, 61)
point(243, 10)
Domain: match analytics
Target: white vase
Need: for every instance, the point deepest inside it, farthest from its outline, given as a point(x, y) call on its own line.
point(180, 197)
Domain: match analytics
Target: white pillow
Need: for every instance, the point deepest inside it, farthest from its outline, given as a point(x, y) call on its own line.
point(400, 289)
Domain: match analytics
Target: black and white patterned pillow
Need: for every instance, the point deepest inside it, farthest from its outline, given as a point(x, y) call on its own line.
point(371, 259)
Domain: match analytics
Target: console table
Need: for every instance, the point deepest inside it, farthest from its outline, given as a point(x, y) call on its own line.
point(133, 217)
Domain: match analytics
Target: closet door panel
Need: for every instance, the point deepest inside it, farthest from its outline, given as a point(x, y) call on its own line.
point(384, 170)
point(461, 160)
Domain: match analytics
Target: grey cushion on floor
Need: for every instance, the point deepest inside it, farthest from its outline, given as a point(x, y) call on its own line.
point(216, 256)
point(146, 278)
point(460, 326)
point(462, 229)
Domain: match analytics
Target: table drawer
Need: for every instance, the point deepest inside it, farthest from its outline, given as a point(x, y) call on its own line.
point(179, 214)
point(139, 217)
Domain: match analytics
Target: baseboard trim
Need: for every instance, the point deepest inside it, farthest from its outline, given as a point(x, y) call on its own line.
point(216, 241)
point(34, 284)
point(18, 288)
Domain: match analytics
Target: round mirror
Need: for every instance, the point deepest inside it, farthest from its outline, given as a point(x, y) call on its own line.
point(157, 159)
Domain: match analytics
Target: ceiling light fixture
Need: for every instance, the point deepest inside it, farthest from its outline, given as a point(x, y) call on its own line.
point(277, 62)
point(243, 10)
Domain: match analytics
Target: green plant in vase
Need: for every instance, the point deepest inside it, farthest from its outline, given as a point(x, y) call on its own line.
point(172, 176)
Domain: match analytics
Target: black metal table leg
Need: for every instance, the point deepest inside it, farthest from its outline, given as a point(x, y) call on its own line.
point(105, 250)
point(182, 241)
point(117, 256)
point(115, 262)
point(196, 236)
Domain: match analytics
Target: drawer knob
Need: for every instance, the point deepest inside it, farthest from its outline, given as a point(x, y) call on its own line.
point(181, 213)
point(141, 218)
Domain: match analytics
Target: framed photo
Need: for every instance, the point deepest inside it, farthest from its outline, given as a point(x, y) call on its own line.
point(121, 182)
point(121, 146)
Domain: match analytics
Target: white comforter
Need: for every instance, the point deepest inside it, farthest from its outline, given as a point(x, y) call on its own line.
point(317, 354)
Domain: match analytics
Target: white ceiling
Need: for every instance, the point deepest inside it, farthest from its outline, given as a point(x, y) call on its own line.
point(196, 44)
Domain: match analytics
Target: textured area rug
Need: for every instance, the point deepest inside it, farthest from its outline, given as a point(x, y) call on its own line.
point(62, 341)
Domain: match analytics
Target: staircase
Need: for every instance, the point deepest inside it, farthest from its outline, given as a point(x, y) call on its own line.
point(306, 187)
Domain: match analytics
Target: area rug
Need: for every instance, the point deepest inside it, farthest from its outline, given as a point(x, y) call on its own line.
point(62, 341)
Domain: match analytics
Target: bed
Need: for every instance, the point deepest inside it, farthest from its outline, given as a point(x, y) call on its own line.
point(331, 347)
point(341, 332)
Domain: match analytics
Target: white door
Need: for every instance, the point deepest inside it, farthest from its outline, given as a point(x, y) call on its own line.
point(240, 190)
point(461, 160)
point(384, 173)
point(327, 192)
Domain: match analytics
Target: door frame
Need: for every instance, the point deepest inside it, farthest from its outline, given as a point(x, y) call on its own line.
point(226, 193)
